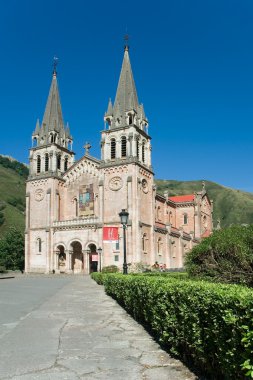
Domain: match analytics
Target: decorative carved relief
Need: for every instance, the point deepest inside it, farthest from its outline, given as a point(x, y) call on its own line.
point(144, 185)
point(39, 195)
point(144, 173)
point(115, 183)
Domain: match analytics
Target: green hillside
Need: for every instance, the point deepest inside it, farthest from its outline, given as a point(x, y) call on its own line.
point(12, 194)
point(231, 206)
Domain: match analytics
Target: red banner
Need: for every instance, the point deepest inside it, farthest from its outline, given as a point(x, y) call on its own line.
point(110, 234)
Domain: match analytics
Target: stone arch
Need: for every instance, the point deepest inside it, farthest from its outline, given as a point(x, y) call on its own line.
point(92, 256)
point(76, 252)
point(61, 257)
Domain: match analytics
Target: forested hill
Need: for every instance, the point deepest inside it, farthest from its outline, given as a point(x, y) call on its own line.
point(231, 206)
point(13, 175)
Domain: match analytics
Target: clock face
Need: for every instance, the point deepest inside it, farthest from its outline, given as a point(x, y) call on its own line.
point(39, 194)
point(115, 183)
point(144, 185)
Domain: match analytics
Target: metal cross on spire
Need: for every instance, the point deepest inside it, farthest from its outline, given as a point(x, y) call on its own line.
point(87, 147)
point(126, 39)
point(55, 63)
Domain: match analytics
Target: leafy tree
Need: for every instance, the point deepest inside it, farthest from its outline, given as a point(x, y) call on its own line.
point(19, 168)
point(227, 256)
point(12, 250)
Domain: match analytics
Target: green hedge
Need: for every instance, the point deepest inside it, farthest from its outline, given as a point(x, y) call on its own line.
point(209, 325)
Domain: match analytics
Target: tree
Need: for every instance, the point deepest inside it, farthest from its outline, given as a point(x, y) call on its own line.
point(12, 250)
point(227, 256)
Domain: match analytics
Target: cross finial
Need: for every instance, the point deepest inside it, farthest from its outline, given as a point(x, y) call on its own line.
point(126, 39)
point(55, 62)
point(87, 147)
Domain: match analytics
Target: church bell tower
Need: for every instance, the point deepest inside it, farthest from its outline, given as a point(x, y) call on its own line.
point(127, 167)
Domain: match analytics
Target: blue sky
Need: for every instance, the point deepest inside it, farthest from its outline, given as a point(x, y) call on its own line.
point(192, 64)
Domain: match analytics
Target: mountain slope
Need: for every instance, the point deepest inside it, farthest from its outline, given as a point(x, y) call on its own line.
point(12, 194)
point(230, 205)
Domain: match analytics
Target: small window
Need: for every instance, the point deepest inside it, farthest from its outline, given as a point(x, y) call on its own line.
point(76, 206)
point(159, 246)
point(59, 162)
point(38, 164)
point(143, 152)
point(113, 149)
point(46, 162)
point(123, 146)
point(185, 219)
point(144, 238)
point(116, 258)
point(39, 244)
point(130, 119)
point(66, 164)
point(137, 149)
point(117, 245)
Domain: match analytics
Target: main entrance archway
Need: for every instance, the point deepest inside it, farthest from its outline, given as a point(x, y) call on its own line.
point(77, 257)
point(93, 258)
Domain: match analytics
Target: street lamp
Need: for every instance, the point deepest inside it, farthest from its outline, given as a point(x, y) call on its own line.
point(123, 220)
point(99, 252)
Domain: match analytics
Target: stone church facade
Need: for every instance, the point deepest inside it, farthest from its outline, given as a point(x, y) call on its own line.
point(72, 207)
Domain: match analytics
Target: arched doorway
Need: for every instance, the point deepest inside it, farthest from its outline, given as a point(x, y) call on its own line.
point(61, 266)
point(77, 257)
point(93, 258)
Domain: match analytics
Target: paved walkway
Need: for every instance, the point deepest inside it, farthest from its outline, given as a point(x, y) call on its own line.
point(72, 330)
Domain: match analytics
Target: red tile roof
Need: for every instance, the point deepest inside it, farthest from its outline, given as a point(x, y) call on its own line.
point(183, 198)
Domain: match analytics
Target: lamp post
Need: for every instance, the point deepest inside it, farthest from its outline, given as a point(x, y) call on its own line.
point(100, 253)
point(123, 220)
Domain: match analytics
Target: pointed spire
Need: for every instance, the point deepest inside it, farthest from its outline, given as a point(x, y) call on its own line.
point(126, 99)
point(53, 119)
point(37, 128)
point(126, 96)
point(109, 111)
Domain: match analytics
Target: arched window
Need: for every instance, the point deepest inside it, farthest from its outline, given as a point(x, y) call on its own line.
point(46, 162)
point(39, 244)
point(130, 119)
point(123, 146)
point(144, 238)
point(76, 206)
point(51, 138)
point(38, 164)
point(66, 164)
point(159, 213)
point(59, 161)
point(185, 219)
point(137, 148)
point(159, 245)
point(113, 149)
point(143, 152)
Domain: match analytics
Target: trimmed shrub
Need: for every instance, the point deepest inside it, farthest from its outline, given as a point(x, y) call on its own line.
point(209, 325)
point(98, 277)
point(225, 256)
point(110, 269)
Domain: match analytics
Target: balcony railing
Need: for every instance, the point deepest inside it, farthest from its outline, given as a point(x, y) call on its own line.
point(76, 222)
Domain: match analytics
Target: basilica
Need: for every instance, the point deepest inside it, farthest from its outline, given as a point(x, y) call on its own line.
point(72, 207)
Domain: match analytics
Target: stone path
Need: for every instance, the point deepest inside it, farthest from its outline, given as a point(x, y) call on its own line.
point(80, 333)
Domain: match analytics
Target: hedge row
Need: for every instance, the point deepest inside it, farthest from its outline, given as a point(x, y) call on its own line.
point(209, 325)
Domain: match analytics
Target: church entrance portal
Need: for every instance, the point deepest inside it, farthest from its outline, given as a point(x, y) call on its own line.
point(93, 258)
point(77, 257)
